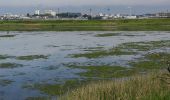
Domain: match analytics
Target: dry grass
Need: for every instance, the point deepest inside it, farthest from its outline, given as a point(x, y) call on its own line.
point(153, 86)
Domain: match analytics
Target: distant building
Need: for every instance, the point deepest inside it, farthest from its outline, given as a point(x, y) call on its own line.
point(163, 15)
point(69, 15)
point(50, 12)
point(37, 12)
point(131, 17)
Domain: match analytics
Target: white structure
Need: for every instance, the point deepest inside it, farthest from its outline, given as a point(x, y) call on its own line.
point(37, 12)
point(50, 12)
point(130, 17)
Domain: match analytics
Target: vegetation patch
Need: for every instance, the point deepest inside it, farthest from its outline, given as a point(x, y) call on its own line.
point(103, 53)
point(4, 57)
point(32, 57)
point(10, 65)
point(92, 48)
point(145, 46)
point(4, 82)
point(56, 89)
point(6, 36)
point(104, 71)
point(124, 49)
point(37, 98)
point(162, 56)
point(50, 68)
point(108, 34)
point(153, 61)
point(147, 65)
point(53, 46)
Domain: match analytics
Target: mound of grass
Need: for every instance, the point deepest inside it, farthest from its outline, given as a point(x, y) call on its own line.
point(103, 53)
point(145, 46)
point(55, 89)
point(5, 36)
point(37, 98)
point(4, 57)
point(147, 65)
point(152, 61)
point(148, 87)
point(10, 65)
point(4, 82)
point(104, 71)
point(162, 56)
point(32, 57)
point(107, 34)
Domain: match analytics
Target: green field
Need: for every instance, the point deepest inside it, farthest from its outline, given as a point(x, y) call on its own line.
point(88, 25)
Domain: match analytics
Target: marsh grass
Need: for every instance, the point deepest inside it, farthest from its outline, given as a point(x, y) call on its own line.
point(147, 87)
point(4, 82)
point(130, 48)
point(37, 98)
point(145, 46)
point(152, 61)
point(103, 53)
point(32, 57)
point(107, 34)
point(10, 65)
point(56, 89)
point(4, 57)
point(7, 36)
point(104, 71)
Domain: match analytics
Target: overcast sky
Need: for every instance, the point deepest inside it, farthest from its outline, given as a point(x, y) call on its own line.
point(116, 6)
point(81, 2)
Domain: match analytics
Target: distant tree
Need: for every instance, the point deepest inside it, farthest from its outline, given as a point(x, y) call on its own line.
point(28, 15)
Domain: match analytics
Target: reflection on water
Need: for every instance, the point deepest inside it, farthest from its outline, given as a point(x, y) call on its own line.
point(34, 46)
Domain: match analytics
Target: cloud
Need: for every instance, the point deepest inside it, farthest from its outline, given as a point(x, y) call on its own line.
point(81, 2)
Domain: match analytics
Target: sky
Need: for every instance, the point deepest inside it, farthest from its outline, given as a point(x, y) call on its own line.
point(138, 6)
point(81, 2)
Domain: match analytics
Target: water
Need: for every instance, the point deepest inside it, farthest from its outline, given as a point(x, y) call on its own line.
point(58, 46)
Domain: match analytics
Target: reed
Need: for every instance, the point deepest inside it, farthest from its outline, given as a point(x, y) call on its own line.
point(153, 86)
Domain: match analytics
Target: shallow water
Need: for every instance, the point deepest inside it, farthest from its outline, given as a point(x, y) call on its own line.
point(58, 46)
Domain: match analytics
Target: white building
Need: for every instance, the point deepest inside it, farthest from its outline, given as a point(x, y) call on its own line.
point(50, 12)
point(130, 17)
point(37, 12)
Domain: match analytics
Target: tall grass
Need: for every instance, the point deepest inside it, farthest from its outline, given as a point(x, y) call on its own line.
point(153, 86)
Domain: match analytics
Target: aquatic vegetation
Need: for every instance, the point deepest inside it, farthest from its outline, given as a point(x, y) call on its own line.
point(37, 98)
point(10, 65)
point(124, 49)
point(53, 46)
point(104, 71)
point(135, 46)
point(50, 68)
point(162, 56)
point(147, 65)
point(103, 53)
point(92, 48)
point(55, 89)
point(32, 57)
point(18, 74)
point(152, 61)
point(5, 36)
point(145, 46)
point(4, 82)
point(108, 34)
point(4, 57)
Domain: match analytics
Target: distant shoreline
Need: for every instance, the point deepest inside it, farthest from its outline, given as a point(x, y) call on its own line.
point(87, 25)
